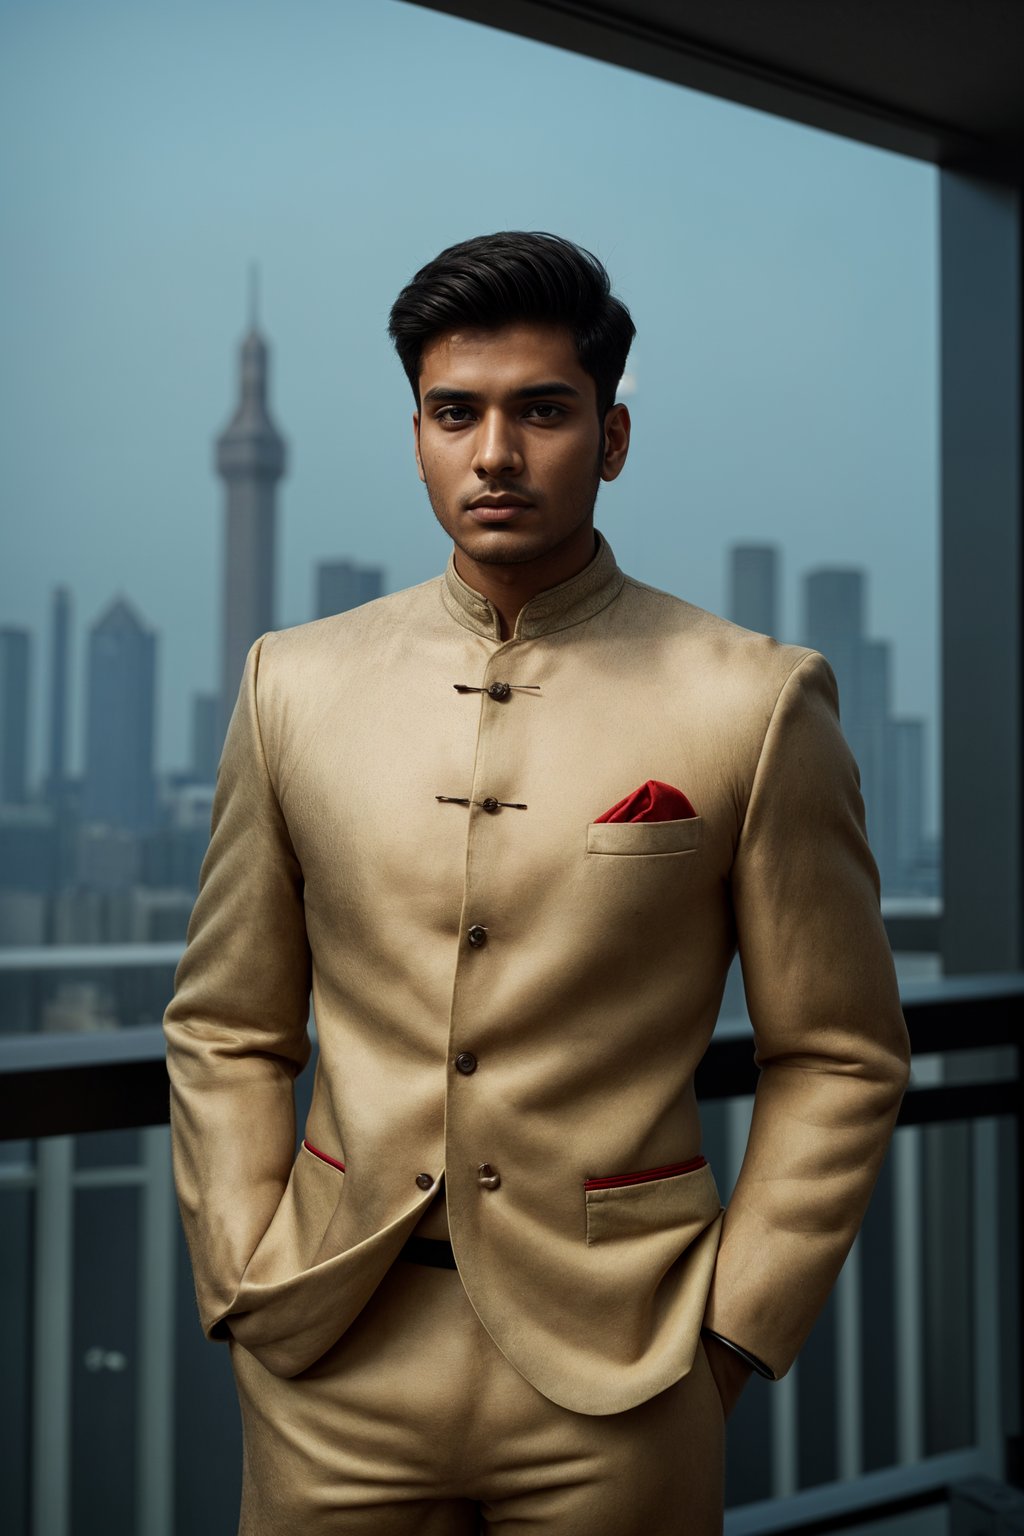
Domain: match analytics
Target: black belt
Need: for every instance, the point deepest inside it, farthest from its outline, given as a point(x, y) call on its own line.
point(429, 1250)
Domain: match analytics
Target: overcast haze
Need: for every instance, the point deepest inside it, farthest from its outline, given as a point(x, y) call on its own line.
point(783, 284)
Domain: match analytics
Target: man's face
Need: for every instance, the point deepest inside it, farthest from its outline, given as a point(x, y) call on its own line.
point(508, 441)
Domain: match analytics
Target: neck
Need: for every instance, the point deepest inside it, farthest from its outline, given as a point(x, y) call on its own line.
point(510, 587)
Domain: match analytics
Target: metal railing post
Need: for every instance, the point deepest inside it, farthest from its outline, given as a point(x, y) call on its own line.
point(155, 1425)
point(52, 1341)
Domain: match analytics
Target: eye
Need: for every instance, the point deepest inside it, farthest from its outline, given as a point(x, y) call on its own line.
point(545, 410)
point(448, 414)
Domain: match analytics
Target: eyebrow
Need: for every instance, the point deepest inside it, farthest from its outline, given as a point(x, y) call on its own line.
point(442, 392)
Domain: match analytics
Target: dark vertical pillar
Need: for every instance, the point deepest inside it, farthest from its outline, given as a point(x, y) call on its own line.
point(979, 238)
point(980, 251)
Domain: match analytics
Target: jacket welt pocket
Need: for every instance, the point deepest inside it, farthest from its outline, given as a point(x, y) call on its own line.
point(644, 837)
point(325, 1157)
point(679, 1196)
point(645, 1175)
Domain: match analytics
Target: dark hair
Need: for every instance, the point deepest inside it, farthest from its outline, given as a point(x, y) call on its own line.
point(494, 280)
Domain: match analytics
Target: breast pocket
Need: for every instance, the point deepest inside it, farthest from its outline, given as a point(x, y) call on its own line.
point(641, 838)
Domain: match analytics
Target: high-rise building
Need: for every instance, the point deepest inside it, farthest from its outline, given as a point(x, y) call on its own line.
point(118, 787)
point(250, 460)
point(15, 647)
point(754, 587)
point(341, 585)
point(60, 647)
point(867, 722)
point(28, 849)
point(905, 792)
point(834, 610)
point(834, 604)
point(889, 752)
point(206, 738)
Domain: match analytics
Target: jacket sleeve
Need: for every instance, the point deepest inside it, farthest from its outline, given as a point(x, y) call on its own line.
point(829, 1033)
point(236, 1028)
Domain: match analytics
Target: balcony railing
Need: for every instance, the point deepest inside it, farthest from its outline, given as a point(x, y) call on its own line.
point(926, 1307)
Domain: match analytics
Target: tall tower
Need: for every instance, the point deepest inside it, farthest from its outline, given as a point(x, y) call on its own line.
point(250, 460)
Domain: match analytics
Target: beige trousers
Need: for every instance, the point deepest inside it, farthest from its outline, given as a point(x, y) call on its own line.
point(415, 1424)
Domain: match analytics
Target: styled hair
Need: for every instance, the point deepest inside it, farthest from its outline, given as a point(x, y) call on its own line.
point(495, 280)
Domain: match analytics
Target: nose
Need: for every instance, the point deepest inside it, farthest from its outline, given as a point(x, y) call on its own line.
point(496, 450)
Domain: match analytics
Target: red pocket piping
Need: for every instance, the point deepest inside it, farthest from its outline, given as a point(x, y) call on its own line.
point(324, 1157)
point(620, 1180)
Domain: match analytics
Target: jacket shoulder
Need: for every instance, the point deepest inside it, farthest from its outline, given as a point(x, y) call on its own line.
point(736, 660)
point(297, 669)
point(303, 642)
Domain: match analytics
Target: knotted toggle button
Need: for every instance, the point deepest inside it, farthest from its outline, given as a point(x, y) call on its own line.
point(498, 691)
point(477, 936)
point(488, 1177)
point(490, 804)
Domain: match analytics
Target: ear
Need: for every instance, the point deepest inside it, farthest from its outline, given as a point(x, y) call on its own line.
point(416, 445)
point(616, 441)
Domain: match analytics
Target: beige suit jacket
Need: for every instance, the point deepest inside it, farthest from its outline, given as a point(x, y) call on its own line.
point(585, 1004)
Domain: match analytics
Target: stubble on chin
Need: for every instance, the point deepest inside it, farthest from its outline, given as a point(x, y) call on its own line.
point(499, 546)
point(491, 550)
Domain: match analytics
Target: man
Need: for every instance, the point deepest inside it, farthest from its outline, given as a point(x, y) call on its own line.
point(511, 826)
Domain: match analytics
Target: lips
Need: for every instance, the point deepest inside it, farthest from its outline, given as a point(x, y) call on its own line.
point(502, 514)
point(498, 511)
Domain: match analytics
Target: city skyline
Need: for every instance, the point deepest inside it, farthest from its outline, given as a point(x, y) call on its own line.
point(250, 456)
point(890, 749)
point(113, 854)
point(115, 858)
point(754, 581)
point(783, 283)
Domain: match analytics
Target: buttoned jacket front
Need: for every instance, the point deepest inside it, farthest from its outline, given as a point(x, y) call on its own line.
point(575, 967)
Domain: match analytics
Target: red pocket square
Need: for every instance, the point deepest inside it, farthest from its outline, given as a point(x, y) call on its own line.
point(653, 801)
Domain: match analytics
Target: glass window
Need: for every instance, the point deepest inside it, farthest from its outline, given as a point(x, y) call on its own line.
point(209, 211)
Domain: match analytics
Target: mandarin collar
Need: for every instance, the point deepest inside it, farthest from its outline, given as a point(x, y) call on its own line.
point(571, 602)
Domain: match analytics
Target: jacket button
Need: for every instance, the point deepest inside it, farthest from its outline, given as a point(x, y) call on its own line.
point(465, 1061)
point(490, 804)
point(477, 936)
point(424, 1180)
point(488, 1177)
point(499, 690)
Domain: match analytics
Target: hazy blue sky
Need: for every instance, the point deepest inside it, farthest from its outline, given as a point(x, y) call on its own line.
point(783, 283)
